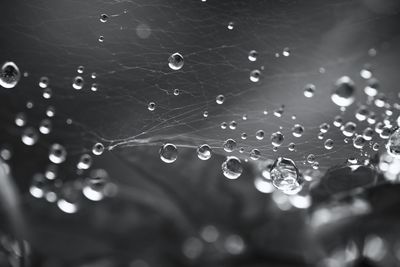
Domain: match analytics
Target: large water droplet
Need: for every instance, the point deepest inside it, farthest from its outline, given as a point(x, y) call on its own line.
point(9, 75)
point(285, 176)
point(393, 144)
point(343, 93)
point(204, 152)
point(168, 153)
point(175, 61)
point(232, 168)
point(57, 153)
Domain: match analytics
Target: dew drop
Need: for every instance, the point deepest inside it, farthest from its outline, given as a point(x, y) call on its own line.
point(103, 18)
point(85, 162)
point(253, 55)
point(255, 75)
point(20, 119)
point(57, 153)
point(285, 176)
point(291, 146)
point(349, 129)
point(10, 75)
point(255, 154)
point(372, 87)
point(220, 99)
point(45, 126)
point(328, 144)
point(286, 52)
point(204, 152)
point(260, 134)
point(98, 149)
point(168, 153)
point(229, 145)
point(311, 158)
point(359, 142)
point(232, 168)
point(44, 82)
point(232, 125)
point(77, 83)
point(297, 130)
point(277, 139)
point(151, 106)
point(309, 90)
point(343, 93)
point(175, 61)
point(29, 136)
point(231, 25)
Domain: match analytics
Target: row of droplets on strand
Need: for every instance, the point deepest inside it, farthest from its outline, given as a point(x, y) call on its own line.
point(343, 95)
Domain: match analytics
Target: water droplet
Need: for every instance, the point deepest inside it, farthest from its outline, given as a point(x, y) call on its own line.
point(175, 61)
point(309, 90)
point(80, 69)
point(372, 87)
point(44, 82)
point(232, 125)
point(324, 127)
point(168, 153)
point(205, 114)
point(255, 154)
point(94, 87)
point(260, 134)
point(255, 75)
point(95, 185)
point(338, 121)
point(151, 106)
point(328, 144)
point(98, 149)
point(47, 93)
point(85, 162)
point(45, 126)
point(77, 83)
point(231, 25)
point(224, 125)
point(286, 52)
point(220, 99)
point(10, 75)
point(359, 142)
point(176, 91)
point(375, 146)
point(229, 145)
point(232, 168)
point(285, 176)
point(93, 75)
point(362, 113)
point(297, 130)
point(20, 119)
point(386, 132)
point(101, 38)
point(366, 72)
point(393, 144)
point(291, 146)
point(57, 153)
point(277, 139)
point(29, 136)
point(343, 93)
point(243, 136)
point(380, 100)
point(50, 111)
point(311, 158)
point(204, 152)
point(103, 17)
point(253, 55)
point(349, 129)
point(368, 133)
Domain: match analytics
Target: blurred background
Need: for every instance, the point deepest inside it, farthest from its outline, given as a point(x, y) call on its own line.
point(98, 91)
